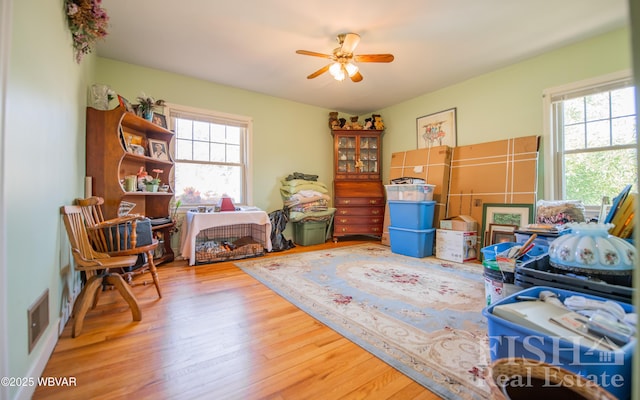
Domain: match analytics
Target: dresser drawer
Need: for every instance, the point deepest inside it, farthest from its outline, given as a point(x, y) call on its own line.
point(359, 201)
point(358, 220)
point(370, 211)
point(342, 230)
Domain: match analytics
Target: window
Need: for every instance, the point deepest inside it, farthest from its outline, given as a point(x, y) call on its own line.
point(593, 130)
point(211, 152)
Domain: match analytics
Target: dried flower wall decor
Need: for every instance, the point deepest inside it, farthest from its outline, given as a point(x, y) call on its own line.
point(88, 22)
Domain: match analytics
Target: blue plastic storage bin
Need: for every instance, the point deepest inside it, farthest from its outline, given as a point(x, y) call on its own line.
point(489, 252)
point(412, 242)
point(411, 214)
point(508, 340)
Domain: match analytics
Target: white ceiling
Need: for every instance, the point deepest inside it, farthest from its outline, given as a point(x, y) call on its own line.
point(251, 44)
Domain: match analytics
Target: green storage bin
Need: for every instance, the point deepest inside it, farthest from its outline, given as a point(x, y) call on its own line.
point(310, 232)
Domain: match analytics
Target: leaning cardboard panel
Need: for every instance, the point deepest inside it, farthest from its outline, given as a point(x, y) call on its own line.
point(504, 171)
point(430, 164)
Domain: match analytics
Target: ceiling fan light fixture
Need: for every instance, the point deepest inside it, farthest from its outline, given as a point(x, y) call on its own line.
point(336, 71)
point(351, 69)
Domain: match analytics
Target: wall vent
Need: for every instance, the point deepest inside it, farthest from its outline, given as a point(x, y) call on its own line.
point(38, 319)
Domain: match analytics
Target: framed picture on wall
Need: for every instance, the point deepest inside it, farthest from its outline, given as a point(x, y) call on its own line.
point(438, 129)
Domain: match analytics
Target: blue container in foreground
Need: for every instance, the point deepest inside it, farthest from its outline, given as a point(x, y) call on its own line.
point(611, 369)
point(412, 242)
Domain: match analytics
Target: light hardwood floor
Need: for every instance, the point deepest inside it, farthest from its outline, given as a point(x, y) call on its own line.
point(217, 333)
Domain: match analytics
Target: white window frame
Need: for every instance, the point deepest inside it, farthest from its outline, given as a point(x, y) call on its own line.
point(222, 118)
point(552, 156)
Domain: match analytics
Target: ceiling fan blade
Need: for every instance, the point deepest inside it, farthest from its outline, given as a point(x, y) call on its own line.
point(384, 58)
point(313, 53)
point(319, 72)
point(349, 43)
point(357, 77)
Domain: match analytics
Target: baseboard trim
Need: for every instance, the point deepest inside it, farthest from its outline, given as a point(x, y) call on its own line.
point(49, 342)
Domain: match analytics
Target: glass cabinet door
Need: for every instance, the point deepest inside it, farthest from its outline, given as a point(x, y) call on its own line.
point(369, 154)
point(347, 154)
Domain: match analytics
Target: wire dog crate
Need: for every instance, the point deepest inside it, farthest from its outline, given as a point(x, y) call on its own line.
point(230, 242)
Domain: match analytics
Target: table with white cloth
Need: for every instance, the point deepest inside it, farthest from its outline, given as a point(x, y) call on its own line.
point(196, 222)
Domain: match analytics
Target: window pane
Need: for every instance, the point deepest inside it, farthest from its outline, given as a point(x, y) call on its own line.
point(597, 106)
point(623, 102)
point(233, 154)
point(574, 111)
point(218, 133)
point(233, 135)
point(589, 176)
point(598, 134)
point(217, 152)
point(206, 183)
point(184, 150)
point(200, 131)
point(183, 128)
point(624, 130)
point(200, 151)
point(574, 137)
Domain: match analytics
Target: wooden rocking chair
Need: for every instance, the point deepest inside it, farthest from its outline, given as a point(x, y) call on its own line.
point(119, 237)
point(96, 267)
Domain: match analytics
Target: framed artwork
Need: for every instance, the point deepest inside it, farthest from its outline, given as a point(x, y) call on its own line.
point(505, 214)
point(125, 103)
point(437, 129)
point(158, 149)
point(499, 233)
point(159, 119)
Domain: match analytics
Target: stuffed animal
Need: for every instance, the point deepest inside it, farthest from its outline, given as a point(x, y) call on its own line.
point(333, 120)
point(377, 122)
point(368, 123)
point(343, 122)
point(355, 124)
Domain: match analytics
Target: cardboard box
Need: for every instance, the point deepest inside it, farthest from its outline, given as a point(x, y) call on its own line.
point(460, 223)
point(430, 164)
point(456, 246)
point(503, 171)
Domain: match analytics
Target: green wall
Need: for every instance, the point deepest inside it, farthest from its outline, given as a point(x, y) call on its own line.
point(43, 169)
point(44, 140)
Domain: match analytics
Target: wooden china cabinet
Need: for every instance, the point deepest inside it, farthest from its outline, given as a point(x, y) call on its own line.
point(117, 146)
point(357, 187)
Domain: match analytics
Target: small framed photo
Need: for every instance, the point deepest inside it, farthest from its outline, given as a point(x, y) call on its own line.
point(159, 119)
point(158, 149)
point(505, 214)
point(437, 129)
point(125, 103)
point(500, 233)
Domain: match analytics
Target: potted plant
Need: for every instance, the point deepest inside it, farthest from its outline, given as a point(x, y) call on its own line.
point(146, 105)
point(151, 183)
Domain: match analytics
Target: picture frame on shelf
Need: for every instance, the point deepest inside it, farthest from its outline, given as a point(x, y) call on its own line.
point(519, 214)
point(134, 144)
point(126, 104)
point(499, 233)
point(158, 149)
point(159, 119)
point(437, 129)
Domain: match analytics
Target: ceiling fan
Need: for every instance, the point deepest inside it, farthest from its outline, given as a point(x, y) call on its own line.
point(343, 59)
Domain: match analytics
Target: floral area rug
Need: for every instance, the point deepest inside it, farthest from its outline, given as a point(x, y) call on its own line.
point(421, 316)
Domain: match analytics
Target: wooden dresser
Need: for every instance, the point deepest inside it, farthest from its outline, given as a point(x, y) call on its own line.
point(359, 196)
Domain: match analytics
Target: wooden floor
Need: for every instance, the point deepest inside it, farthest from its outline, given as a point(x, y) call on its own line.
point(217, 333)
